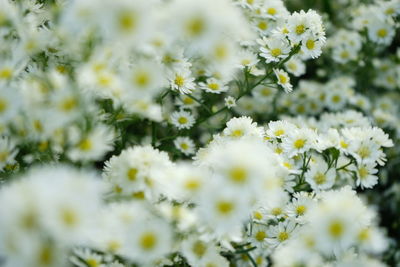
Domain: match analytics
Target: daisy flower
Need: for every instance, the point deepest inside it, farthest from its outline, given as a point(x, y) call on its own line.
point(299, 141)
point(381, 32)
point(181, 79)
point(283, 80)
point(92, 145)
point(182, 119)
point(8, 151)
point(274, 50)
point(230, 102)
point(242, 126)
point(319, 176)
point(281, 233)
point(214, 86)
point(366, 174)
point(185, 145)
point(295, 66)
point(279, 129)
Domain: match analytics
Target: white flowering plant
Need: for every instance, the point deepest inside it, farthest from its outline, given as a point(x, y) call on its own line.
point(199, 133)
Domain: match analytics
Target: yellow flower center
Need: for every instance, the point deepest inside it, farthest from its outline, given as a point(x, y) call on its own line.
point(257, 215)
point(300, 29)
point(187, 100)
point(221, 51)
point(282, 79)
point(237, 133)
point(343, 144)
point(6, 73)
point(183, 120)
point(142, 79)
point(92, 262)
point(104, 80)
point(262, 25)
point(276, 211)
point(299, 143)
point(364, 234)
point(195, 27)
point(310, 44)
point(282, 236)
point(276, 52)
point(199, 248)
point(68, 104)
point(271, 11)
point(225, 207)
point(363, 172)
point(148, 241)
point(85, 144)
point(132, 174)
point(184, 146)
point(279, 132)
point(127, 21)
point(336, 229)
point(260, 236)
point(246, 61)
point(301, 209)
point(192, 184)
point(113, 245)
point(336, 99)
point(238, 175)
point(3, 105)
point(213, 86)
point(179, 80)
point(46, 256)
point(320, 178)
point(69, 217)
point(382, 33)
point(364, 152)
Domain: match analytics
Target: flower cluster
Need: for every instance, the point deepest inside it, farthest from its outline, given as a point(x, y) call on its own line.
point(199, 133)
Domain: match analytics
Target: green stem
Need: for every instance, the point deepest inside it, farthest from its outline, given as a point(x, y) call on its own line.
point(201, 103)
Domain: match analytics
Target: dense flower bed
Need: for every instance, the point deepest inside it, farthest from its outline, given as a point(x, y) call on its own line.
point(199, 133)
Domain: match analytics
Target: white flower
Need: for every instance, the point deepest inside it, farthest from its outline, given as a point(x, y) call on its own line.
point(213, 85)
point(311, 46)
point(281, 233)
point(366, 175)
point(144, 79)
point(131, 171)
point(337, 219)
point(295, 67)
point(300, 205)
point(92, 145)
point(182, 119)
point(247, 59)
point(146, 241)
point(380, 32)
point(185, 145)
point(319, 176)
point(221, 210)
point(274, 9)
point(86, 255)
point(242, 127)
point(8, 151)
point(299, 141)
point(274, 50)
point(258, 234)
point(181, 79)
point(283, 80)
point(298, 26)
point(10, 103)
point(196, 250)
point(230, 102)
point(264, 93)
point(279, 129)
